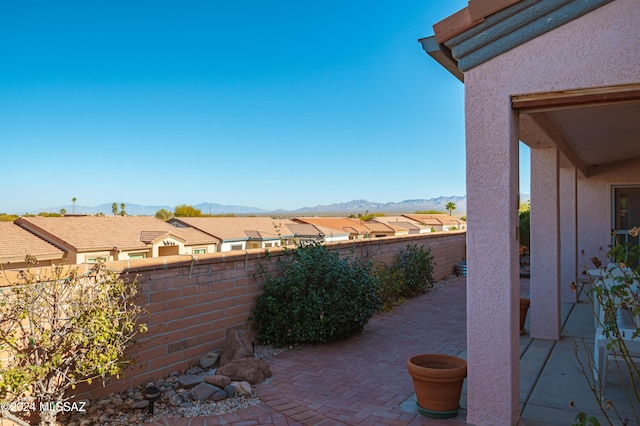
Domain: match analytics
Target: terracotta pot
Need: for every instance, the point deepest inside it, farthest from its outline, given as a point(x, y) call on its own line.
point(524, 308)
point(437, 380)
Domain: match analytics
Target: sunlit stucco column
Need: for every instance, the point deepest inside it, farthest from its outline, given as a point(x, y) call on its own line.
point(568, 233)
point(493, 381)
point(545, 244)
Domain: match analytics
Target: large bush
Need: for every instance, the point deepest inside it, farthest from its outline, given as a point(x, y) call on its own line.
point(319, 297)
point(416, 265)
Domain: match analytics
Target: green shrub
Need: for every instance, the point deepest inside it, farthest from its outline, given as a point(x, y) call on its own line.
point(391, 282)
point(416, 265)
point(319, 297)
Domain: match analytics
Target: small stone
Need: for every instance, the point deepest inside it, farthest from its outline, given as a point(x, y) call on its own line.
point(218, 395)
point(194, 370)
point(176, 400)
point(104, 418)
point(133, 419)
point(230, 391)
point(218, 380)
point(85, 422)
point(243, 389)
point(203, 391)
point(141, 404)
point(208, 361)
point(190, 380)
point(105, 401)
point(186, 405)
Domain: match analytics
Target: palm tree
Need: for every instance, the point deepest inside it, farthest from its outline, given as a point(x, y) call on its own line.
point(114, 208)
point(451, 206)
point(73, 200)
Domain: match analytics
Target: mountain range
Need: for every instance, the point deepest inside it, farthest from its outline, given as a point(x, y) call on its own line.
point(346, 208)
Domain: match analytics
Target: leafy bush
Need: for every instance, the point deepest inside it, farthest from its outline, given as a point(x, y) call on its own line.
point(62, 330)
point(391, 282)
point(416, 265)
point(319, 297)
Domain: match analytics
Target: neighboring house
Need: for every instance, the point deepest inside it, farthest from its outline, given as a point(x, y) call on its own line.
point(381, 229)
point(16, 243)
point(354, 227)
point(240, 233)
point(439, 222)
point(87, 239)
point(563, 77)
point(310, 232)
point(404, 225)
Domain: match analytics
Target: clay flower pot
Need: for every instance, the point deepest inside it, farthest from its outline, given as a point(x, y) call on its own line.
point(524, 308)
point(437, 380)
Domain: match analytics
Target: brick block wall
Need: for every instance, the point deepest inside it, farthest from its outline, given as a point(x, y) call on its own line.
point(194, 303)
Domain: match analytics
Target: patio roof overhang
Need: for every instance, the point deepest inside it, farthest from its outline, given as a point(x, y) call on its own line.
point(593, 127)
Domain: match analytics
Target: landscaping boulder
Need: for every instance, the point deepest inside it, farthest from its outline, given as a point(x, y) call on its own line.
point(218, 380)
point(236, 345)
point(252, 370)
point(210, 360)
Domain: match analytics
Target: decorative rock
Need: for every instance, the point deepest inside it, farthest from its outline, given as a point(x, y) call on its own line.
point(194, 370)
point(218, 395)
point(176, 400)
point(218, 380)
point(242, 388)
point(230, 391)
point(203, 391)
point(85, 422)
point(209, 360)
point(236, 345)
point(141, 404)
point(252, 370)
point(190, 380)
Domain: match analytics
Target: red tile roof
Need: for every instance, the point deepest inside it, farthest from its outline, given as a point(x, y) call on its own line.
point(16, 243)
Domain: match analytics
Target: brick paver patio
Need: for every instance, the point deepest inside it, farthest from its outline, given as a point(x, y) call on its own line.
point(361, 380)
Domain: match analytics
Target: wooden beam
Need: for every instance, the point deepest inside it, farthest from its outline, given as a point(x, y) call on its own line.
point(540, 102)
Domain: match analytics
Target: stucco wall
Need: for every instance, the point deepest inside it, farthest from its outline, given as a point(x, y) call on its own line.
point(194, 304)
point(602, 48)
point(595, 203)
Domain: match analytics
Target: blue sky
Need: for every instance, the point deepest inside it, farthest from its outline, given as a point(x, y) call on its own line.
point(280, 104)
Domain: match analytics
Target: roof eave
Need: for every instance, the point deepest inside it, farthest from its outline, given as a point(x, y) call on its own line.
point(442, 55)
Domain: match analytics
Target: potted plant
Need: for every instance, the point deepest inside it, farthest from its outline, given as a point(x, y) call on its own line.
point(437, 380)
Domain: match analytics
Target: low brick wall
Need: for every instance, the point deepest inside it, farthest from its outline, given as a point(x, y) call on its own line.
point(194, 303)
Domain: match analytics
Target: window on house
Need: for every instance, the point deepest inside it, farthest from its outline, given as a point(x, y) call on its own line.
point(268, 244)
point(235, 247)
point(137, 256)
point(199, 251)
point(626, 213)
point(96, 259)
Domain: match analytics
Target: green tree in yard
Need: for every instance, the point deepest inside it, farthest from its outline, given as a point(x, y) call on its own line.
point(73, 200)
point(164, 214)
point(60, 330)
point(451, 206)
point(187, 211)
point(122, 212)
point(63, 211)
point(114, 208)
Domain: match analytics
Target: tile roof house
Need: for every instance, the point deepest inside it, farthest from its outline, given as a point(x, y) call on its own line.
point(16, 243)
point(354, 227)
point(307, 231)
point(404, 225)
point(240, 233)
point(439, 222)
point(562, 77)
point(85, 239)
